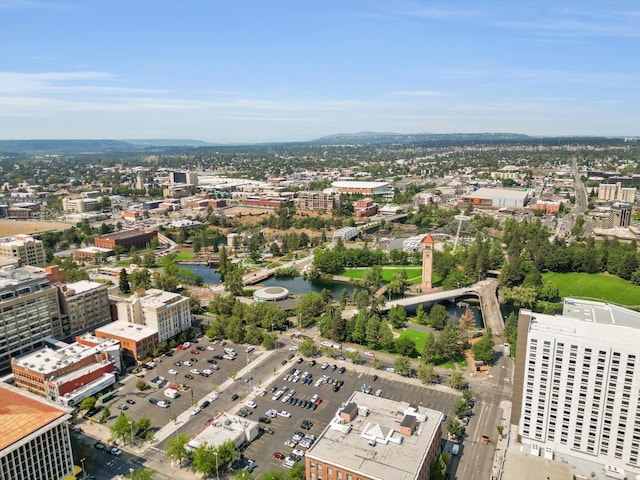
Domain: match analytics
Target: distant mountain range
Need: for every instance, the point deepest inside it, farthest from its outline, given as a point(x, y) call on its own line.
point(71, 147)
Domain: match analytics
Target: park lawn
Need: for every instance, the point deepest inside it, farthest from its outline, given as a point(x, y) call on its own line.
point(595, 286)
point(413, 272)
point(184, 255)
point(417, 337)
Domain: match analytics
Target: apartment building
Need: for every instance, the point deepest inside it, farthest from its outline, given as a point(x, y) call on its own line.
point(29, 312)
point(84, 305)
point(165, 312)
point(616, 192)
point(35, 441)
point(619, 215)
point(373, 438)
point(577, 384)
point(318, 201)
point(25, 248)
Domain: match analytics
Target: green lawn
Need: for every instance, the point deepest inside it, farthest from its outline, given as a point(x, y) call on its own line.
point(417, 337)
point(413, 272)
point(599, 286)
point(184, 256)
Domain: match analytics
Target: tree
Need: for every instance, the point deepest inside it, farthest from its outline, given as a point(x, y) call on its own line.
point(457, 380)
point(233, 282)
point(242, 475)
point(175, 448)
point(297, 472)
point(386, 337)
point(397, 316)
point(438, 316)
point(273, 475)
point(461, 408)
point(406, 347)
point(204, 460)
point(141, 385)
point(398, 284)
point(467, 395)
point(106, 413)
point(402, 365)
point(307, 347)
point(121, 428)
point(142, 474)
point(427, 373)
point(124, 282)
point(420, 315)
point(226, 452)
point(483, 348)
point(310, 307)
point(269, 341)
point(140, 278)
point(454, 428)
point(88, 403)
point(354, 356)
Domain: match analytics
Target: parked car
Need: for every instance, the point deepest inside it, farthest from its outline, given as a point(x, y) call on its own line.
point(278, 455)
point(264, 420)
point(122, 406)
point(250, 404)
point(250, 349)
point(234, 397)
point(284, 414)
point(369, 353)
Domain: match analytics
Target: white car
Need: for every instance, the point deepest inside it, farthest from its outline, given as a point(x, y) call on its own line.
point(187, 363)
point(195, 371)
point(325, 344)
point(304, 443)
point(324, 366)
point(196, 411)
point(226, 356)
point(284, 414)
point(271, 413)
point(115, 451)
point(288, 463)
point(369, 353)
point(250, 404)
point(298, 452)
point(293, 348)
point(213, 398)
point(351, 349)
point(391, 369)
point(250, 349)
point(206, 371)
point(173, 372)
point(162, 404)
point(211, 348)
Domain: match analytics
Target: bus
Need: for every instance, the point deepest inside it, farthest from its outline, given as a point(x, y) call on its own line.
point(107, 396)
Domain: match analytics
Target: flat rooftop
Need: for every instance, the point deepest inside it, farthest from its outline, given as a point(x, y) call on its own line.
point(125, 234)
point(84, 286)
point(22, 413)
point(131, 331)
point(600, 312)
point(582, 319)
point(499, 193)
point(47, 360)
point(394, 455)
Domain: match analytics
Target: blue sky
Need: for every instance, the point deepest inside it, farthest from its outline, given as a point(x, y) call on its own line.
point(268, 70)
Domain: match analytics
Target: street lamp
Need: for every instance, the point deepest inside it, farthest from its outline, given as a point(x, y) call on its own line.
point(217, 474)
point(84, 474)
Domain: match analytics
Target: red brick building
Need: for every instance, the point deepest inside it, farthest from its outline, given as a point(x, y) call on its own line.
point(137, 237)
point(365, 208)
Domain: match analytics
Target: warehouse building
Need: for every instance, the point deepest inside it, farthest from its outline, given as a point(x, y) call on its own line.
point(495, 197)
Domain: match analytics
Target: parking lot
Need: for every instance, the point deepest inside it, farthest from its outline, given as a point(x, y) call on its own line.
point(262, 449)
point(190, 390)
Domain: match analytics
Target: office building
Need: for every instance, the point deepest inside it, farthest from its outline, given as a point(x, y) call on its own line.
point(69, 374)
point(165, 312)
point(373, 438)
point(25, 248)
point(35, 443)
point(186, 178)
point(84, 305)
point(29, 312)
point(577, 384)
point(136, 341)
point(619, 215)
point(616, 192)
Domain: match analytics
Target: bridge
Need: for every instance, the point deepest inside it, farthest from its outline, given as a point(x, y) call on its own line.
point(476, 290)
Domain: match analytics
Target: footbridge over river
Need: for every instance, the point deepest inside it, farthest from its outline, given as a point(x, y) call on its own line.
point(476, 289)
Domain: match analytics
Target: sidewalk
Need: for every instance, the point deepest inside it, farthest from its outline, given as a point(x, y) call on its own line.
point(503, 441)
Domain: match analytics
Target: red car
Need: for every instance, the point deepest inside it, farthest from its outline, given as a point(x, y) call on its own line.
point(195, 352)
point(181, 347)
point(278, 455)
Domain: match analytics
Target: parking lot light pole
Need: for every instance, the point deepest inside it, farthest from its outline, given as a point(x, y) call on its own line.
point(217, 474)
point(84, 474)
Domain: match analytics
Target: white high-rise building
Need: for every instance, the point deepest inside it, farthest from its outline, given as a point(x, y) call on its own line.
point(577, 384)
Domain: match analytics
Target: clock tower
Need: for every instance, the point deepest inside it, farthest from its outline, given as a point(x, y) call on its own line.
point(427, 262)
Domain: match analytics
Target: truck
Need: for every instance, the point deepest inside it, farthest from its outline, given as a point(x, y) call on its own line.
point(171, 393)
